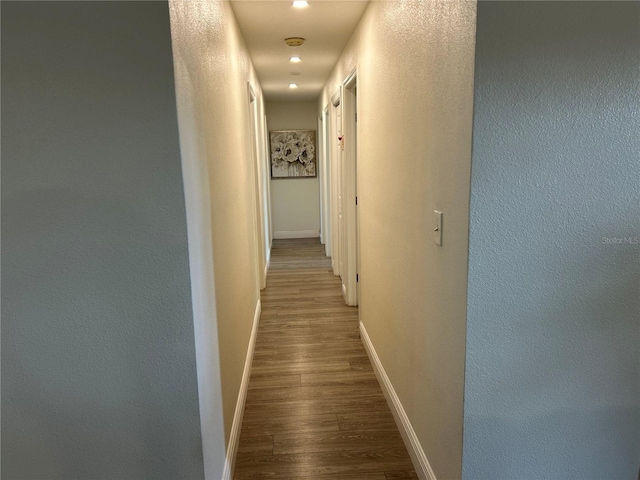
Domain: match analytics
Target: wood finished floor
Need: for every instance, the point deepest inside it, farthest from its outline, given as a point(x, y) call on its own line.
point(314, 408)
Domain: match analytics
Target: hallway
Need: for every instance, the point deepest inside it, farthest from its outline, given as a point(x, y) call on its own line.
point(475, 163)
point(314, 408)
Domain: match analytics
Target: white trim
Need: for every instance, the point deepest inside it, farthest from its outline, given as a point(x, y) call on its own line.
point(350, 79)
point(234, 438)
point(418, 457)
point(321, 179)
point(325, 166)
point(335, 98)
point(266, 270)
point(296, 234)
point(348, 255)
point(269, 252)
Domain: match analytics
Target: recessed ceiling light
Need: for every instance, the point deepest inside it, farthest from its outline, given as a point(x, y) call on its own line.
point(300, 4)
point(295, 59)
point(293, 85)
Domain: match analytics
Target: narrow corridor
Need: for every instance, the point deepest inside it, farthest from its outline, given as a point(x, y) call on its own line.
point(314, 409)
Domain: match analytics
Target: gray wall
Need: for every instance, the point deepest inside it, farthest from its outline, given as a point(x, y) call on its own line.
point(98, 362)
point(552, 378)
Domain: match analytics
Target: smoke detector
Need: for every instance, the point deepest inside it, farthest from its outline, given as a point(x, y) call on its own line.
point(294, 41)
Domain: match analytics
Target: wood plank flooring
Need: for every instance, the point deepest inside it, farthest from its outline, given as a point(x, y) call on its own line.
point(314, 408)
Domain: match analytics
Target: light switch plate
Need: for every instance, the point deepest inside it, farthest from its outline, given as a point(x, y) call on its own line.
point(437, 229)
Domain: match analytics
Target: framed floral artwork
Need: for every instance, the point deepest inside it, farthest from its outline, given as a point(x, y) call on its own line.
point(293, 153)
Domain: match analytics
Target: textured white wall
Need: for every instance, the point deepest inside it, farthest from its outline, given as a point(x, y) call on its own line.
point(98, 360)
point(295, 203)
point(415, 87)
point(553, 363)
point(212, 70)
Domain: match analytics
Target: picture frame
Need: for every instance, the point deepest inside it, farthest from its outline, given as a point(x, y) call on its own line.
point(293, 154)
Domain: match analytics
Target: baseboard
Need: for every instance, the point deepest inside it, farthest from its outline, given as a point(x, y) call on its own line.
point(297, 234)
point(418, 457)
point(232, 449)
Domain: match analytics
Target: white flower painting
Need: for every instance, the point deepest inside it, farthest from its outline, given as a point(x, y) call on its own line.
point(293, 153)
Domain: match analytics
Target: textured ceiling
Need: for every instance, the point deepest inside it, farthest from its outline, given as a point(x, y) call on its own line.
point(327, 26)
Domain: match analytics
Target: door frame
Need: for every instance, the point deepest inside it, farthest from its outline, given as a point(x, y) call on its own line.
point(325, 186)
point(259, 189)
point(335, 128)
point(349, 182)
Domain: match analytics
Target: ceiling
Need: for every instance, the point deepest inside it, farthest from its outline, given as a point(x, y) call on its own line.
point(327, 26)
